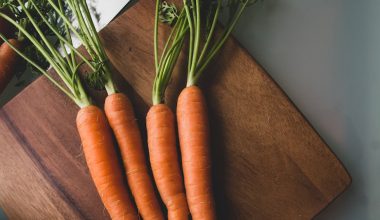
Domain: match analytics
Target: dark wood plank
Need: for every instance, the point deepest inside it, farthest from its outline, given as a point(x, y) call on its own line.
point(41, 122)
point(269, 163)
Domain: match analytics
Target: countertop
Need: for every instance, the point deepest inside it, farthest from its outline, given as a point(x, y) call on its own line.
point(326, 56)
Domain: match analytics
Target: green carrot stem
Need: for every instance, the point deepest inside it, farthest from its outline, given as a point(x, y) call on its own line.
point(170, 54)
point(211, 33)
point(92, 42)
point(156, 34)
point(191, 41)
point(170, 38)
point(65, 69)
point(196, 38)
point(63, 40)
point(66, 21)
point(197, 64)
point(219, 45)
point(60, 62)
point(41, 49)
point(40, 69)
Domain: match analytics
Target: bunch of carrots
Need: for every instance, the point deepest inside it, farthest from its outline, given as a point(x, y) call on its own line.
point(186, 190)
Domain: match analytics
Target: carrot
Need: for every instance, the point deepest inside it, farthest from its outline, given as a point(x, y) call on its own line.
point(92, 124)
point(164, 160)
point(102, 162)
point(8, 62)
point(160, 122)
point(121, 117)
point(192, 118)
point(195, 150)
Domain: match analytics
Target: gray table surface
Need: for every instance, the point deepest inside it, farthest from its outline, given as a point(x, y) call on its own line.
point(326, 56)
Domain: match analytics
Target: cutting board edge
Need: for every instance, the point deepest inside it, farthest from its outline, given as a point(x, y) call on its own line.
point(18, 95)
point(344, 189)
point(246, 52)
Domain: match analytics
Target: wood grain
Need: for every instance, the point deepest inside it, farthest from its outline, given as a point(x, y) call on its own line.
point(43, 173)
point(268, 162)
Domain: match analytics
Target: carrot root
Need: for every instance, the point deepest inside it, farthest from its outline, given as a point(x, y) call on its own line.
point(101, 158)
point(8, 62)
point(193, 131)
point(120, 114)
point(164, 161)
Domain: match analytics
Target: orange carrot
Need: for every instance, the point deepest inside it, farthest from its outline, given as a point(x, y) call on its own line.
point(102, 162)
point(193, 131)
point(8, 62)
point(192, 118)
point(164, 161)
point(120, 114)
point(160, 120)
point(92, 125)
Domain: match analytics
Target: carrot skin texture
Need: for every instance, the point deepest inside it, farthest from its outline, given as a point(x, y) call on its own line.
point(193, 129)
point(120, 114)
point(9, 60)
point(164, 161)
point(101, 158)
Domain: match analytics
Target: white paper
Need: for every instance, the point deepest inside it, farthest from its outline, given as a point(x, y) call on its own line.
point(107, 9)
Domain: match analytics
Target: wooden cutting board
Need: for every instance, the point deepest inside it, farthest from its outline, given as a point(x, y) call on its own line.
point(268, 162)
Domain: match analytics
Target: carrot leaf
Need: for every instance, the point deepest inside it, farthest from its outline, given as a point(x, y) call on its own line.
point(165, 63)
point(39, 23)
point(207, 34)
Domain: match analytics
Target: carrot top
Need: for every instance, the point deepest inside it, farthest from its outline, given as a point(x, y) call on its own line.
point(165, 64)
point(89, 37)
point(204, 33)
point(13, 9)
point(57, 55)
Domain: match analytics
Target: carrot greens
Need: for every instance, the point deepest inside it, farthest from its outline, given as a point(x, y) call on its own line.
point(13, 9)
point(200, 56)
point(91, 40)
point(165, 63)
point(61, 54)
